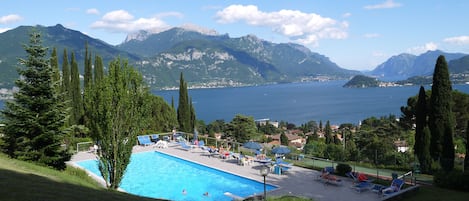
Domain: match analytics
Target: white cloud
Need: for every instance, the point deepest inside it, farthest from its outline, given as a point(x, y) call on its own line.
point(384, 5)
point(10, 18)
point(371, 35)
point(306, 28)
point(123, 21)
point(422, 49)
point(458, 40)
point(346, 15)
point(92, 11)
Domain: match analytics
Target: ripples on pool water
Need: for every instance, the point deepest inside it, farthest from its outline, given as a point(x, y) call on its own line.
point(158, 175)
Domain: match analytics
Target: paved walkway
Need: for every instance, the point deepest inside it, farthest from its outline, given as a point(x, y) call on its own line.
point(297, 181)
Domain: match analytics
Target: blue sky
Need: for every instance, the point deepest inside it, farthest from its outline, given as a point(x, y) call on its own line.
point(359, 34)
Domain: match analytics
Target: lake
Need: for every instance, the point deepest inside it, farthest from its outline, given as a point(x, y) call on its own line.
point(299, 102)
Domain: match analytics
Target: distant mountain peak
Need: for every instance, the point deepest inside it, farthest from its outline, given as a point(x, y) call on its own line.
point(141, 35)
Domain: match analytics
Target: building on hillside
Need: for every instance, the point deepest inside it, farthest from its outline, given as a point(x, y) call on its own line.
point(401, 145)
point(293, 140)
point(263, 122)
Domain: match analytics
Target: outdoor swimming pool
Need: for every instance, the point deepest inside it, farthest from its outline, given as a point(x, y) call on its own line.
point(158, 175)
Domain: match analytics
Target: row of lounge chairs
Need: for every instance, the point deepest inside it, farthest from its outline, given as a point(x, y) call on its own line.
point(361, 182)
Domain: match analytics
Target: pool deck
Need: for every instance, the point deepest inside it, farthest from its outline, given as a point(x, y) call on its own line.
point(297, 181)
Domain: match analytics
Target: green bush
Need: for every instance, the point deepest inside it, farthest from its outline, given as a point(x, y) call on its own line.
point(342, 168)
point(453, 180)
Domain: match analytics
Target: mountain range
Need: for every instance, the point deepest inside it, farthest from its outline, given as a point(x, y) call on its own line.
point(209, 59)
point(405, 65)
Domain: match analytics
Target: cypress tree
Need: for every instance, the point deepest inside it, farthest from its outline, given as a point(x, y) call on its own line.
point(184, 108)
point(441, 117)
point(422, 133)
point(116, 108)
point(328, 133)
point(88, 76)
point(35, 119)
point(283, 139)
point(65, 75)
point(54, 62)
point(98, 68)
point(75, 94)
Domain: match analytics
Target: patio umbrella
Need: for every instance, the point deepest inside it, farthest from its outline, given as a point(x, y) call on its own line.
point(281, 150)
point(252, 145)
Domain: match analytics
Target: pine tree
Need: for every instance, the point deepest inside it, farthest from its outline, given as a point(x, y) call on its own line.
point(88, 76)
point(422, 133)
point(98, 68)
point(184, 108)
point(441, 117)
point(75, 94)
point(117, 112)
point(35, 119)
point(65, 76)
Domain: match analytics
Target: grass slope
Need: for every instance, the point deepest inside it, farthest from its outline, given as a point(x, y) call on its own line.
point(21, 180)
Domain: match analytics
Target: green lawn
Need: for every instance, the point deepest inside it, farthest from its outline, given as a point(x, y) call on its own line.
point(21, 180)
point(431, 193)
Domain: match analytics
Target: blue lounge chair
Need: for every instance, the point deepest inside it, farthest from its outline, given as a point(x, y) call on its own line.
point(144, 140)
point(185, 146)
point(155, 137)
point(396, 186)
point(363, 186)
point(279, 161)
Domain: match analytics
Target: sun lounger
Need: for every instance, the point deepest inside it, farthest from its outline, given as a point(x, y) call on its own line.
point(155, 138)
point(144, 140)
point(363, 186)
point(396, 186)
point(327, 177)
point(185, 146)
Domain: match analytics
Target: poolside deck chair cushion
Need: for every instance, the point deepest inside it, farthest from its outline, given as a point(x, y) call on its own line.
point(144, 140)
point(185, 146)
point(398, 183)
point(155, 137)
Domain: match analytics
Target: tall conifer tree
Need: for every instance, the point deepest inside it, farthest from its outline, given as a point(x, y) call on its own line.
point(35, 119)
point(98, 68)
point(88, 76)
point(75, 94)
point(422, 133)
point(65, 75)
point(184, 108)
point(441, 117)
point(328, 133)
point(54, 62)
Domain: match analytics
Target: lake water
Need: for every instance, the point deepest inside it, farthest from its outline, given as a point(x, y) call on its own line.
point(299, 102)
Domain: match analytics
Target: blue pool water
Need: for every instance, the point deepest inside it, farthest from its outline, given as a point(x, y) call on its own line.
point(158, 175)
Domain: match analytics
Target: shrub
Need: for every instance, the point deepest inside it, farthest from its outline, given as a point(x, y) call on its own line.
point(343, 168)
point(452, 180)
